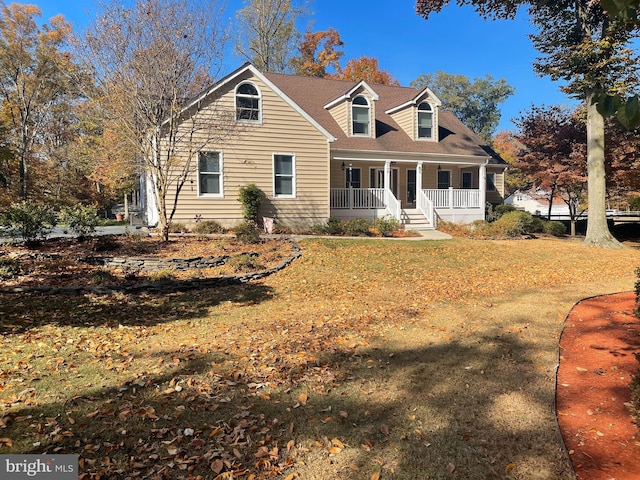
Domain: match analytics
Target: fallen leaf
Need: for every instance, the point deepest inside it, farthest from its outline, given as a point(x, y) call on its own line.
point(451, 468)
point(171, 450)
point(217, 466)
point(375, 476)
point(510, 467)
point(303, 399)
point(384, 428)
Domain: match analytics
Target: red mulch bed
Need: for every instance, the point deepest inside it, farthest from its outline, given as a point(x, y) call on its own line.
point(597, 363)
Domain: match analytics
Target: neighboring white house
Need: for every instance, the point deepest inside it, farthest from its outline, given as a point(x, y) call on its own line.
point(537, 203)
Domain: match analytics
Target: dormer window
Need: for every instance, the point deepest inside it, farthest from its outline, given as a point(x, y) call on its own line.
point(247, 103)
point(360, 114)
point(425, 121)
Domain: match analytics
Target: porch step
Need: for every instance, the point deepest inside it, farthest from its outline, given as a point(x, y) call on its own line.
point(413, 219)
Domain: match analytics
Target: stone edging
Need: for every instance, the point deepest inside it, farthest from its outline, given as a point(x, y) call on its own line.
point(163, 286)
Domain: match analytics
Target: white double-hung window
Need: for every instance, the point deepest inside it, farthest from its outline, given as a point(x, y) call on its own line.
point(248, 103)
point(284, 184)
point(361, 116)
point(425, 121)
point(210, 174)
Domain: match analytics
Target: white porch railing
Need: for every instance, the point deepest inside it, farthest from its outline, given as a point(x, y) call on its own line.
point(453, 198)
point(425, 205)
point(393, 204)
point(357, 198)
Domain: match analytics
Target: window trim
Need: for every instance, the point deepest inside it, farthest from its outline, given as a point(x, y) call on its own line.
point(258, 96)
point(462, 176)
point(346, 176)
point(361, 106)
point(438, 179)
point(220, 174)
point(293, 175)
point(431, 111)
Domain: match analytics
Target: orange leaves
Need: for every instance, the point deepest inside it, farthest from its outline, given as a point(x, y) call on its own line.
point(319, 51)
point(335, 447)
point(367, 69)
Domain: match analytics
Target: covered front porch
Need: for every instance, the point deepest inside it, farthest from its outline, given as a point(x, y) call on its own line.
point(416, 193)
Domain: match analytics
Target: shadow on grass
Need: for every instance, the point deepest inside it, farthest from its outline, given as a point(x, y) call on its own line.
point(21, 313)
point(478, 409)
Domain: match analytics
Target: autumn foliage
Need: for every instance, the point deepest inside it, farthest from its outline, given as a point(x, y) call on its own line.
point(367, 69)
point(319, 52)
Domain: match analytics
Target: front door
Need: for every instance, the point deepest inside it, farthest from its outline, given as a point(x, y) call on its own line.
point(411, 187)
point(377, 179)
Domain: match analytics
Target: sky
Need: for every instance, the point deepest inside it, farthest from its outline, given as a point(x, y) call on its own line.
point(455, 41)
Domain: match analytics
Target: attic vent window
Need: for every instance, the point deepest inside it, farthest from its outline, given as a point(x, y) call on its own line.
point(425, 121)
point(360, 116)
point(247, 103)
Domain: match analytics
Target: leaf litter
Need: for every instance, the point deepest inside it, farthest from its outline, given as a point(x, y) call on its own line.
point(241, 382)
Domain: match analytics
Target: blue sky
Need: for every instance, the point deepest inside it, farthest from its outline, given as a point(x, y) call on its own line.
point(456, 41)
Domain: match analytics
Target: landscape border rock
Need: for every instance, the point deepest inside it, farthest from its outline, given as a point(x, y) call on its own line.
point(160, 286)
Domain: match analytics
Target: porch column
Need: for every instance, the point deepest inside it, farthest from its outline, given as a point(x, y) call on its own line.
point(482, 179)
point(387, 175)
point(418, 179)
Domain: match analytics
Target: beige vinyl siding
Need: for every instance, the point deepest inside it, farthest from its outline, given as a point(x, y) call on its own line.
point(497, 195)
point(340, 113)
point(248, 158)
point(405, 119)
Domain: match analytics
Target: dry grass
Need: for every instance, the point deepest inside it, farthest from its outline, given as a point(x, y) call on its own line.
point(408, 359)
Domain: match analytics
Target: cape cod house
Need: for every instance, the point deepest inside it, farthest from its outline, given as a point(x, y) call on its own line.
point(321, 148)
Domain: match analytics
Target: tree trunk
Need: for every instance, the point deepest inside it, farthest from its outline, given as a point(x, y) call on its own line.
point(23, 177)
point(553, 192)
point(598, 233)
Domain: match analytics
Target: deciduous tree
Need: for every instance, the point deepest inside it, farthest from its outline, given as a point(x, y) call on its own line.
point(552, 158)
point(37, 76)
point(319, 51)
point(267, 35)
point(367, 69)
point(475, 102)
point(622, 160)
point(508, 147)
point(589, 50)
point(149, 59)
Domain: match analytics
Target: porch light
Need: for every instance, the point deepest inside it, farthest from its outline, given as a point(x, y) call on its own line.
point(439, 168)
point(342, 166)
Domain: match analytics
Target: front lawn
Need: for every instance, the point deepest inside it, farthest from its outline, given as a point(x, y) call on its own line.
point(362, 359)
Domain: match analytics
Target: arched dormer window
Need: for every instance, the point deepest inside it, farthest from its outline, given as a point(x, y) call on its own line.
point(247, 103)
point(425, 121)
point(360, 115)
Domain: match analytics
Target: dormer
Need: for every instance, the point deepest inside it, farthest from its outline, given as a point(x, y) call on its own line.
point(355, 111)
point(419, 116)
